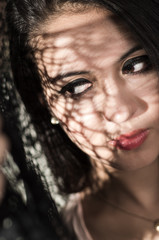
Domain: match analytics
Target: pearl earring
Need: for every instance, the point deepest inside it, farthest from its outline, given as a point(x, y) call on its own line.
point(54, 121)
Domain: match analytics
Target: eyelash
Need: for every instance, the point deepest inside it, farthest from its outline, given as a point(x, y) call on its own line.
point(80, 86)
point(69, 90)
point(131, 63)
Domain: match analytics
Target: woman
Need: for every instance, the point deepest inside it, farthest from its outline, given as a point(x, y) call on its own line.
point(92, 67)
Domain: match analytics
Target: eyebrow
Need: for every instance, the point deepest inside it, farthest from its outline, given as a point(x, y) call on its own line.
point(132, 50)
point(76, 73)
point(68, 74)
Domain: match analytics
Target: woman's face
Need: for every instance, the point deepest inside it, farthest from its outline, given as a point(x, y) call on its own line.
point(99, 82)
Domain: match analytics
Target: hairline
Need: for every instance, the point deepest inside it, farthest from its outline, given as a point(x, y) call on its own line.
point(62, 9)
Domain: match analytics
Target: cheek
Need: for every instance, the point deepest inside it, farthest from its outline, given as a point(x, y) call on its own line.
point(77, 114)
point(152, 100)
point(82, 120)
point(153, 116)
point(149, 93)
point(147, 88)
point(91, 142)
point(82, 123)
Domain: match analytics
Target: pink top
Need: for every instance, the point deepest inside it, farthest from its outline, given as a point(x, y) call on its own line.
point(73, 216)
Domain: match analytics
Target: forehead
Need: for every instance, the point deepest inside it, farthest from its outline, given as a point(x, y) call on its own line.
point(72, 38)
point(90, 22)
point(67, 20)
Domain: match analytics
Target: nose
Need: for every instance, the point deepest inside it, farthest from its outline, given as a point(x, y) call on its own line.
point(122, 106)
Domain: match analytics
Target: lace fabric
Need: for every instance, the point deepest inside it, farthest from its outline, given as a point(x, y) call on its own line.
point(31, 187)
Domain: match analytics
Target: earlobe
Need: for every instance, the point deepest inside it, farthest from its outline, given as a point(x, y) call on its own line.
point(54, 121)
point(41, 99)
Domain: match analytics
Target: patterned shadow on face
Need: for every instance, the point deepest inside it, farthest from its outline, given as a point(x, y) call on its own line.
point(96, 81)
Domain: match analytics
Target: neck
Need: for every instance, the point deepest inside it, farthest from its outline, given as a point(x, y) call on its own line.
point(139, 187)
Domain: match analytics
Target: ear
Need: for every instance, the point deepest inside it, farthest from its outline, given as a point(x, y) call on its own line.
point(42, 99)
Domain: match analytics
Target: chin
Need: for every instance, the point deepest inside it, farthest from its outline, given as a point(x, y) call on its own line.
point(135, 163)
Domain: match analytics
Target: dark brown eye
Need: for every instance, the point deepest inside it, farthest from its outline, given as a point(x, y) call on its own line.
point(137, 65)
point(76, 87)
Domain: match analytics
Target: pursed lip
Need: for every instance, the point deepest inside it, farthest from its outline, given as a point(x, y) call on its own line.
point(131, 140)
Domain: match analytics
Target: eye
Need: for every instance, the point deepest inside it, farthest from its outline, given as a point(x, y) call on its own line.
point(137, 65)
point(76, 87)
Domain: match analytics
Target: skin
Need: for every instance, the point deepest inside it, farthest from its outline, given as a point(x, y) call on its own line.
point(110, 101)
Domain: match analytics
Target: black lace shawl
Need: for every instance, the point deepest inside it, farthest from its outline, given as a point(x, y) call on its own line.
point(28, 210)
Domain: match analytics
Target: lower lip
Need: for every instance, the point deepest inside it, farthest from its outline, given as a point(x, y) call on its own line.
point(131, 141)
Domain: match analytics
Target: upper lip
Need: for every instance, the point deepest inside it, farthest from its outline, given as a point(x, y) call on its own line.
point(131, 134)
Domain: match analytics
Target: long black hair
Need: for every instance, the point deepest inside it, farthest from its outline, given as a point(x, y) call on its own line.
point(71, 167)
